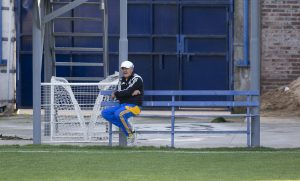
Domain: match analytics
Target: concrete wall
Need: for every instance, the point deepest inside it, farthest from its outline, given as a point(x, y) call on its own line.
point(280, 33)
point(280, 42)
point(241, 74)
point(7, 80)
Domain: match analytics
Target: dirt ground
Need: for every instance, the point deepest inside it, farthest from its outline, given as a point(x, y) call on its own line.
point(283, 101)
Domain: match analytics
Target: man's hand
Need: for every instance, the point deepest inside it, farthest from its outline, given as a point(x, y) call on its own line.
point(136, 92)
point(113, 95)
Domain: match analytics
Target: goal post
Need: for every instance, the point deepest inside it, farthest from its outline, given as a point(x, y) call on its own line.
point(71, 112)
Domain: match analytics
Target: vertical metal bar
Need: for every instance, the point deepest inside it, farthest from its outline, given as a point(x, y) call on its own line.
point(18, 30)
point(255, 70)
point(110, 134)
point(173, 124)
point(181, 66)
point(123, 42)
point(52, 123)
point(52, 43)
point(230, 48)
point(248, 122)
point(152, 47)
point(178, 44)
point(47, 48)
point(9, 62)
point(1, 32)
point(48, 71)
point(123, 51)
point(246, 32)
point(37, 50)
point(72, 43)
point(179, 14)
point(180, 57)
point(105, 38)
point(161, 62)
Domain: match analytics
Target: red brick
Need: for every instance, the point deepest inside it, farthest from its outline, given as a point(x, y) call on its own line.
point(295, 23)
point(284, 6)
point(280, 42)
point(278, 10)
point(284, 14)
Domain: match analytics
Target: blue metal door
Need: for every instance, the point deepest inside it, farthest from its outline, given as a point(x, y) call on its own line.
point(204, 48)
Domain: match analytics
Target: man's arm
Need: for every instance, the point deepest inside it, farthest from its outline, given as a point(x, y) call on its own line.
point(137, 83)
point(113, 93)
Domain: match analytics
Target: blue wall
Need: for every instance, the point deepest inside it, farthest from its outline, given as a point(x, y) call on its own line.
point(1, 32)
point(174, 44)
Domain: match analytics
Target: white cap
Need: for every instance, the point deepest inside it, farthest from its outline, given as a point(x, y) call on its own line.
point(127, 64)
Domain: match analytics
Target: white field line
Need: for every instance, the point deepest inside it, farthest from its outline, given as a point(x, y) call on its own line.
point(145, 151)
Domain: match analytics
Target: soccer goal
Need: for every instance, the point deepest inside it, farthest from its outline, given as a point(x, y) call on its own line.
point(72, 111)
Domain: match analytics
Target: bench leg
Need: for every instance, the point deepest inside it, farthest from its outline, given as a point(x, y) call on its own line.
point(248, 123)
point(172, 127)
point(110, 134)
point(248, 130)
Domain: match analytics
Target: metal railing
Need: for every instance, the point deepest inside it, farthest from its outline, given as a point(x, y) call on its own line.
point(248, 104)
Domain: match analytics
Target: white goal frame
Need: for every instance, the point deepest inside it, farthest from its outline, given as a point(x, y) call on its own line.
point(87, 121)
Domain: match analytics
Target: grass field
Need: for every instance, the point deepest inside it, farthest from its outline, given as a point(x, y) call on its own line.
point(104, 163)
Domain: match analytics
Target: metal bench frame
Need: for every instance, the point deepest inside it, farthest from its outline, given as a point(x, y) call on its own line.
point(248, 103)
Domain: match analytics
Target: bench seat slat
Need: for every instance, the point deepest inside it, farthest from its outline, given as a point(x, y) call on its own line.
point(189, 132)
point(192, 104)
point(194, 93)
point(196, 116)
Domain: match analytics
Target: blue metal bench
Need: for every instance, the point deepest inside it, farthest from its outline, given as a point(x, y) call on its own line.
point(248, 104)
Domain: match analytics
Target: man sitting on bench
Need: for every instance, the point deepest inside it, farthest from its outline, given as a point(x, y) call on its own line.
point(130, 93)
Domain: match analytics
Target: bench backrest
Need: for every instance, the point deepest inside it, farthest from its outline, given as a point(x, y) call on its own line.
point(175, 103)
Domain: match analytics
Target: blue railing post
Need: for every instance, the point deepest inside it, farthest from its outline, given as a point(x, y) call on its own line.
point(110, 134)
point(248, 122)
point(172, 123)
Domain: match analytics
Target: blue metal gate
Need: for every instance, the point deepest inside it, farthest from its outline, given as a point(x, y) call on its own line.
point(204, 47)
point(174, 44)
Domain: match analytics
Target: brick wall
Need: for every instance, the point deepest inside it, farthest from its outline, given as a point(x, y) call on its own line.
point(280, 42)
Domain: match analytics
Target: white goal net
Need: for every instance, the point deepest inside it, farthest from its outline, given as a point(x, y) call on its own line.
point(72, 111)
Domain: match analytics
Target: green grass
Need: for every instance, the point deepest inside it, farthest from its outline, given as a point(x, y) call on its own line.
point(147, 163)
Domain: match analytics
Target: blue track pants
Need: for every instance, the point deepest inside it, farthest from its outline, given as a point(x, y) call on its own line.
point(118, 115)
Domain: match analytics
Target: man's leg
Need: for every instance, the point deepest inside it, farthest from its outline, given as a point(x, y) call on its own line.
point(122, 115)
point(109, 115)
